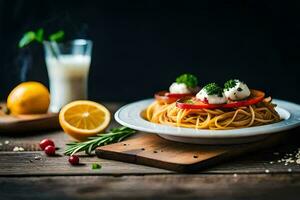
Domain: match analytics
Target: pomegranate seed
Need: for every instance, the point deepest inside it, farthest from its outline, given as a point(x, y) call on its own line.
point(50, 150)
point(46, 142)
point(74, 160)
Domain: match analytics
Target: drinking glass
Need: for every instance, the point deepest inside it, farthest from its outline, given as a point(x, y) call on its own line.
point(68, 68)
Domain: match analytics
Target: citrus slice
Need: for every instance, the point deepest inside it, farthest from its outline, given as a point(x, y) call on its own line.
point(83, 119)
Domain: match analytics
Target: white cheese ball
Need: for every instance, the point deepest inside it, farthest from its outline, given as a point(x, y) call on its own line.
point(238, 92)
point(179, 88)
point(211, 99)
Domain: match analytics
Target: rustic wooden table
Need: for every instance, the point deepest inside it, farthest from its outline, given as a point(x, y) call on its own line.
point(268, 174)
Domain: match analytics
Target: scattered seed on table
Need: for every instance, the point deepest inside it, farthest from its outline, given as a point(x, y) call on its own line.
point(16, 149)
point(37, 158)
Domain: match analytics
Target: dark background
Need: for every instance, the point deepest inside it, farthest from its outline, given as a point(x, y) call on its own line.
point(141, 46)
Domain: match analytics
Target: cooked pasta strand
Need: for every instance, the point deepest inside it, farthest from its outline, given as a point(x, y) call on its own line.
point(215, 119)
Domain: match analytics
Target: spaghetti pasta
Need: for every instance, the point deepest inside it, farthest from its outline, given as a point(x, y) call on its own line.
point(216, 119)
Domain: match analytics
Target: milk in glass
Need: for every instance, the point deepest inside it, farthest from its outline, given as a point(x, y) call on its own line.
point(68, 69)
point(68, 77)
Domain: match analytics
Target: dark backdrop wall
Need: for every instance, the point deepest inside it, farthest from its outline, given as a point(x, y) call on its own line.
point(141, 46)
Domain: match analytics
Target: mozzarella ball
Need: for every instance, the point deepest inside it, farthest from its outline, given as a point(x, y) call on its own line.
point(179, 88)
point(210, 99)
point(238, 92)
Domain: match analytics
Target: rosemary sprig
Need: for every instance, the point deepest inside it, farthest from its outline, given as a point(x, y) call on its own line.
point(114, 135)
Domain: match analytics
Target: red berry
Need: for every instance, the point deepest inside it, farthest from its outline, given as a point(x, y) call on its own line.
point(74, 160)
point(46, 142)
point(50, 150)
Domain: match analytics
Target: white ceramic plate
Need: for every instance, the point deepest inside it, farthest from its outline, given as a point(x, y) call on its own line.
point(130, 116)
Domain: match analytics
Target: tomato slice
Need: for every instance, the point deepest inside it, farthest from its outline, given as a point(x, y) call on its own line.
point(166, 97)
point(255, 97)
point(193, 103)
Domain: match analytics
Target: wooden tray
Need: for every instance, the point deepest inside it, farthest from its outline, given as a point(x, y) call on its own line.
point(27, 123)
point(152, 150)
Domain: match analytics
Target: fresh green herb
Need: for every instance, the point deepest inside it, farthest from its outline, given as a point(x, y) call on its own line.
point(114, 135)
point(213, 89)
point(189, 101)
point(189, 80)
point(96, 166)
point(57, 36)
point(38, 36)
point(230, 84)
point(27, 38)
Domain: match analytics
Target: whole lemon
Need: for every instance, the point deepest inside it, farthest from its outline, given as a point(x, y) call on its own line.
point(29, 98)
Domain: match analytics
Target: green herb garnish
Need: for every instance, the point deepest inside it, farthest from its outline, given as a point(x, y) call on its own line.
point(38, 36)
point(57, 36)
point(96, 166)
point(189, 101)
point(114, 135)
point(213, 89)
point(189, 80)
point(230, 84)
point(27, 38)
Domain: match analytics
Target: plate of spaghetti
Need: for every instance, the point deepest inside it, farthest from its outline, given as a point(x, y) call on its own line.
point(210, 115)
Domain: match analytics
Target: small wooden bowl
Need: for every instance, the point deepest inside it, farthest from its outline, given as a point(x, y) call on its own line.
point(27, 123)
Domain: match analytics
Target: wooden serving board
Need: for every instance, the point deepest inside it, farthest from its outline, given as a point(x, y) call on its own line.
point(152, 150)
point(27, 123)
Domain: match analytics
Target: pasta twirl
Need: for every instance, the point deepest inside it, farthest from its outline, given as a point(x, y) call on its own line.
point(215, 119)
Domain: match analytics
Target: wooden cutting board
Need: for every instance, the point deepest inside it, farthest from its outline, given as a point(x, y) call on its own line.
point(27, 123)
point(152, 150)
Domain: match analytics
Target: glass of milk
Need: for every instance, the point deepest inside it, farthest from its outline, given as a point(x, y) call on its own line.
point(68, 68)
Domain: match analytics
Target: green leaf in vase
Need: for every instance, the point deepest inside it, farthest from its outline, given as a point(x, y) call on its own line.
point(27, 39)
point(57, 36)
point(39, 35)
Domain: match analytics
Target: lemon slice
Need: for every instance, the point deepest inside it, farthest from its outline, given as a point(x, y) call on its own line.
point(83, 119)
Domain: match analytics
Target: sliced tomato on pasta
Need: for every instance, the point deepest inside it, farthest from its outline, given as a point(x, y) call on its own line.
point(166, 97)
point(255, 97)
point(193, 103)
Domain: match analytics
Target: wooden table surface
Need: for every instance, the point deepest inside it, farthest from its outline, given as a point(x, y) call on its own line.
point(268, 174)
